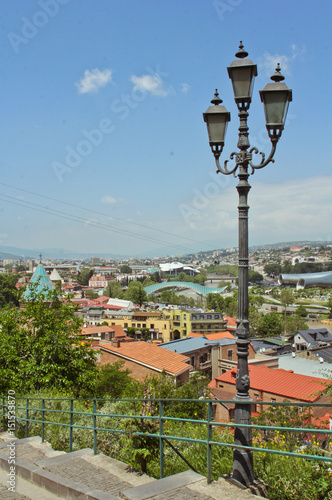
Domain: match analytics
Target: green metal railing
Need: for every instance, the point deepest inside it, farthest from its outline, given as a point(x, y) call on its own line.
point(26, 409)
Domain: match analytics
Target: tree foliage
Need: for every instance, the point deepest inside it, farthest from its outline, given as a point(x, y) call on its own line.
point(39, 347)
point(269, 325)
point(114, 290)
point(8, 292)
point(215, 301)
point(125, 269)
point(113, 381)
point(273, 268)
point(136, 293)
point(84, 275)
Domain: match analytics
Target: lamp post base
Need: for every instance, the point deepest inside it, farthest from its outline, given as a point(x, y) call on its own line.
point(257, 487)
point(243, 470)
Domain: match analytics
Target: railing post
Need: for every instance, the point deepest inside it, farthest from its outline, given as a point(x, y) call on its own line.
point(71, 426)
point(94, 417)
point(27, 419)
point(4, 413)
point(43, 418)
point(209, 439)
point(161, 440)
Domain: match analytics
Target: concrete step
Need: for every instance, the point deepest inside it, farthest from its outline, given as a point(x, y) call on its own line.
point(82, 475)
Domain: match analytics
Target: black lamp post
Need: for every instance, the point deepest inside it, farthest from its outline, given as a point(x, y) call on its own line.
point(275, 97)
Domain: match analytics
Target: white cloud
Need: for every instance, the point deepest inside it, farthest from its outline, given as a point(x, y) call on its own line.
point(185, 87)
point(149, 83)
point(296, 209)
point(111, 200)
point(93, 80)
point(268, 62)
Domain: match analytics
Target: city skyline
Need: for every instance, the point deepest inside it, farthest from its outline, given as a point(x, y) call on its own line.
point(104, 149)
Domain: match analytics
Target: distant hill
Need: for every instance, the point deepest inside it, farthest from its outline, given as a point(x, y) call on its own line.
point(63, 254)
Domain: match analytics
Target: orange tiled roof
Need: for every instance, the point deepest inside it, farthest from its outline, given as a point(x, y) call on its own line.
point(91, 329)
point(150, 355)
point(231, 322)
point(213, 336)
point(280, 382)
point(220, 335)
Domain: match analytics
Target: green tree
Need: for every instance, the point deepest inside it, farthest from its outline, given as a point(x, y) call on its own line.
point(136, 293)
point(169, 297)
point(40, 347)
point(215, 301)
point(114, 290)
point(148, 281)
point(287, 267)
point(254, 318)
point(84, 275)
point(254, 276)
point(273, 269)
point(125, 269)
point(231, 306)
point(301, 311)
point(294, 323)
point(9, 295)
point(200, 278)
point(113, 381)
point(286, 299)
point(329, 304)
point(91, 294)
point(269, 325)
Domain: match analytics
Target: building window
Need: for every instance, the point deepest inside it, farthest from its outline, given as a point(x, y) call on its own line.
point(273, 400)
point(152, 325)
point(133, 325)
point(230, 354)
point(144, 325)
point(209, 316)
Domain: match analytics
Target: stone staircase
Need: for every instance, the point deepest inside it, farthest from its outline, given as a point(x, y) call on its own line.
point(42, 473)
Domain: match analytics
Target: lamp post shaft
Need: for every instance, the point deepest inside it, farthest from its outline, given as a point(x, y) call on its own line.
point(242, 458)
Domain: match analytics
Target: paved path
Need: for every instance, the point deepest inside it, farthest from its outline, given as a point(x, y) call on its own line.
point(24, 490)
point(83, 475)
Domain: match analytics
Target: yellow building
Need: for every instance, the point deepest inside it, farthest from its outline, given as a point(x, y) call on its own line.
point(156, 322)
point(184, 322)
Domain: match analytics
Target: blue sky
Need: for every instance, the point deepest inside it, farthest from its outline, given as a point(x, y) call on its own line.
point(103, 145)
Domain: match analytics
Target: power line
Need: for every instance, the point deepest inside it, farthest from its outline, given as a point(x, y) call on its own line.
point(82, 220)
point(109, 216)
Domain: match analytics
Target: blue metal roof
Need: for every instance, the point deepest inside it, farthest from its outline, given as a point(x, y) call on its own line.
point(189, 344)
point(43, 282)
point(202, 290)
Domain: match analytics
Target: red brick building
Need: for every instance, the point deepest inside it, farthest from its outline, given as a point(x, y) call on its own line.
point(271, 385)
point(143, 358)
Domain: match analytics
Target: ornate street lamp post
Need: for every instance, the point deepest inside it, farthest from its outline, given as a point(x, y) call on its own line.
point(275, 97)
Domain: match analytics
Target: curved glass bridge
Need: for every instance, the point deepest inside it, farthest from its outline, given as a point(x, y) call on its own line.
point(202, 290)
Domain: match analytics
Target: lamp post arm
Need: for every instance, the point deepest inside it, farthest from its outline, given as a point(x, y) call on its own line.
point(225, 170)
point(263, 162)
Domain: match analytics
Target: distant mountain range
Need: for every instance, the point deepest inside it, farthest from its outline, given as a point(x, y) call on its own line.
point(62, 254)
